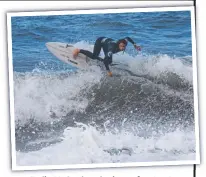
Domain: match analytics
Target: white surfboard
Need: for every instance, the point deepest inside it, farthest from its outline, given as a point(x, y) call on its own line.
point(63, 52)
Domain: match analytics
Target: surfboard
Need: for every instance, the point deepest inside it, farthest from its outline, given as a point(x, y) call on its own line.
point(63, 52)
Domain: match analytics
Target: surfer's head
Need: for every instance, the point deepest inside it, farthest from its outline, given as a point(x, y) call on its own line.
point(122, 43)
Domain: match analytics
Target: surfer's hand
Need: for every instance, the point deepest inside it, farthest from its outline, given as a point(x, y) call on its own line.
point(137, 47)
point(109, 73)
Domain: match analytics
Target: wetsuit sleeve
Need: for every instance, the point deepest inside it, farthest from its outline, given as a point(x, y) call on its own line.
point(108, 60)
point(130, 40)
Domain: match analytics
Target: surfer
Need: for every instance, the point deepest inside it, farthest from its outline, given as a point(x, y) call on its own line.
point(109, 47)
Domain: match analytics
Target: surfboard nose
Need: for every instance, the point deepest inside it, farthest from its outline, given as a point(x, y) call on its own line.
point(51, 45)
point(48, 44)
point(55, 44)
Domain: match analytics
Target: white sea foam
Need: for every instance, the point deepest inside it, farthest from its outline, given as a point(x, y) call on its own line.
point(153, 65)
point(85, 145)
point(38, 95)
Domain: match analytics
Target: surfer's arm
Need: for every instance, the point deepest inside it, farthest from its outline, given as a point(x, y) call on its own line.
point(108, 61)
point(132, 42)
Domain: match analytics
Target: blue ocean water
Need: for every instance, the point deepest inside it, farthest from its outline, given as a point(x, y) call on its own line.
point(157, 32)
point(145, 113)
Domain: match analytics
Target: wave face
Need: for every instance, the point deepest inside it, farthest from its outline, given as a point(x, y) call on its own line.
point(144, 113)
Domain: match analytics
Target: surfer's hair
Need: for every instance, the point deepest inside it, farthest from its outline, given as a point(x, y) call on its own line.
point(124, 41)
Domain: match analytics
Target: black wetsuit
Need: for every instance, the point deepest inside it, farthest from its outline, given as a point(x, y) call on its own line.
point(109, 47)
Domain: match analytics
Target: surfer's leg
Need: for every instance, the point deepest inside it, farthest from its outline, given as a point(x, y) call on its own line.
point(96, 50)
point(87, 53)
point(97, 47)
point(90, 55)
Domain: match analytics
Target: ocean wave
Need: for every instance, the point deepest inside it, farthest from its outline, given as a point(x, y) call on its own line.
point(151, 76)
point(112, 24)
point(149, 92)
point(48, 102)
point(30, 34)
point(84, 144)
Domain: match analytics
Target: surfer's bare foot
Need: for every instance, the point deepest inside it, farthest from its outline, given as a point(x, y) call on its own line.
point(76, 52)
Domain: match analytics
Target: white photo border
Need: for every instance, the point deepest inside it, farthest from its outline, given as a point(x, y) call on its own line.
point(102, 11)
